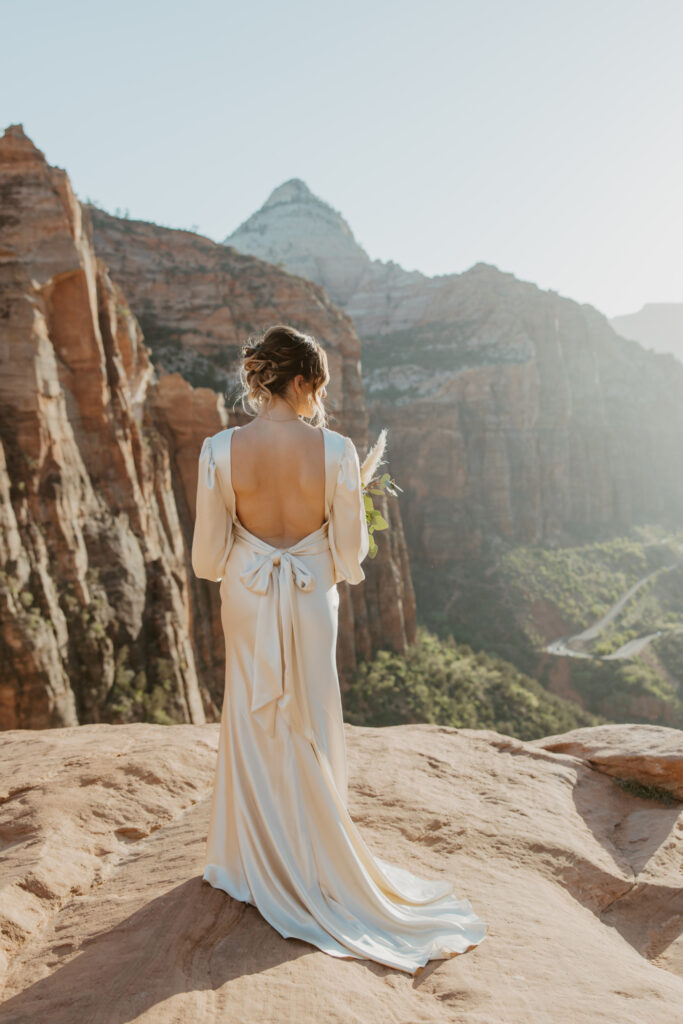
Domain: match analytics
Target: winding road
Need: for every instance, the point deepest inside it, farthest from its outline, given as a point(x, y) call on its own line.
point(574, 646)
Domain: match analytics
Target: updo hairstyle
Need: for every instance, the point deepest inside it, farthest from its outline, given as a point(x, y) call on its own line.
point(271, 360)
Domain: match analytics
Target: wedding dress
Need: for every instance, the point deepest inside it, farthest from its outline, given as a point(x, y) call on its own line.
point(280, 835)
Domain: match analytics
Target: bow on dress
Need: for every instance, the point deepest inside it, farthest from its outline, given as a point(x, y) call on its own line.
point(276, 574)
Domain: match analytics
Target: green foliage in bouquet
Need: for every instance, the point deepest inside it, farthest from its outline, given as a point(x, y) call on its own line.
point(373, 516)
point(372, 484)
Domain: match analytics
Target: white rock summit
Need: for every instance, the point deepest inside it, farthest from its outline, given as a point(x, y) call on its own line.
point(310, 238)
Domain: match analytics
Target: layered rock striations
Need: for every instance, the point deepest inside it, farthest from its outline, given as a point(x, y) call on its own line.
point(95, 613)
point(197, 301)
point(101, 618)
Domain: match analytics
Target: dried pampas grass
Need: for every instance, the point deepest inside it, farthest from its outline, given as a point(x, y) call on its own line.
point(374, 459)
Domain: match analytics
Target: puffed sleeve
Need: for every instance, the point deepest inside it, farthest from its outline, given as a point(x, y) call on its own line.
point(348, 529)
point(212, 537)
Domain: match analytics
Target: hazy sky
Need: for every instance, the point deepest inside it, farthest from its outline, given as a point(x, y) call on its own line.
point(542, 136)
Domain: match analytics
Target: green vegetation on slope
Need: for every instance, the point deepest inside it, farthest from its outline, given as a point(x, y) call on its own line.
point(516, 599)
point(632, 690)
point(656, 606)
point(581, 582)
point(447, 683)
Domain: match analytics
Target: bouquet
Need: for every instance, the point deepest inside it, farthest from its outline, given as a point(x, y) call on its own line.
point(373, 484)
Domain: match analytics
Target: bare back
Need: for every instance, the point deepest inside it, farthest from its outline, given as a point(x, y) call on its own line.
point(278, 478)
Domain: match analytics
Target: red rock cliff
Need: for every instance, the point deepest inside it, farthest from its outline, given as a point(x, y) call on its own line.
point(94, 587)
point(101, 618)
point(197, 301)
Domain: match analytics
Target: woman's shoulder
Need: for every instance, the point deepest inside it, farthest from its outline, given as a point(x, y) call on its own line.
point(338, 444)
point(337, 437)
point(222, 435)
point(218, 446)
point(334, 433)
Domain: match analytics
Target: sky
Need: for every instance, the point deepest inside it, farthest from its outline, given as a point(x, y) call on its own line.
point(541, 136)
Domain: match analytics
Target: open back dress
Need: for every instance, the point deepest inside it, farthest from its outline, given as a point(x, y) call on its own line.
point(280, 835)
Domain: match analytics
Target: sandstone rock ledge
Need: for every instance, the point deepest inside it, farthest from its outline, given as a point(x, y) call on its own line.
point(104, 916)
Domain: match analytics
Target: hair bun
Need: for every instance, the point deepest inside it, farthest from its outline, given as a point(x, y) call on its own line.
point(248, 351)
point(272, 359)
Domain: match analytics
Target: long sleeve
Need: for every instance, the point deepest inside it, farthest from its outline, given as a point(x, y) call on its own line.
point(212, 537)
point(348, 529)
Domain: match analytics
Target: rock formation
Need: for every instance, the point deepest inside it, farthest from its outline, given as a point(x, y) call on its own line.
point(197, 301)
point(296, 229)
point(652, 757)
point(658, 325)
point(512, 412)
point(104, 916)
point(101, 618)
point(95, 601)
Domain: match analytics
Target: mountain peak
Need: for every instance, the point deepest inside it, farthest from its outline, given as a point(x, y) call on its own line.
point(300, 231)
point(16, 131)
point(293, 191)
point(15, 145)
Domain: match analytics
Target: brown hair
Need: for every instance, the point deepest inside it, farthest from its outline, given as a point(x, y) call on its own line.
point(272, 359)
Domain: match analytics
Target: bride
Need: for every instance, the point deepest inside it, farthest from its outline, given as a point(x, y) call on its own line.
point(280, 522)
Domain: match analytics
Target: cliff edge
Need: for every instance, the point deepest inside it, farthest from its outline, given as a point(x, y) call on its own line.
point(105, 917)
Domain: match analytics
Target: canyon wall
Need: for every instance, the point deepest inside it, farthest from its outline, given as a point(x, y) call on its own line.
point(197, 301)
point(513, 413)
point(530, 421)
point(101, 618)
point(95, 600)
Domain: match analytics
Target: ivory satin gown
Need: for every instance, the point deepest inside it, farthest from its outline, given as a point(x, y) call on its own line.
point(280, 835)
